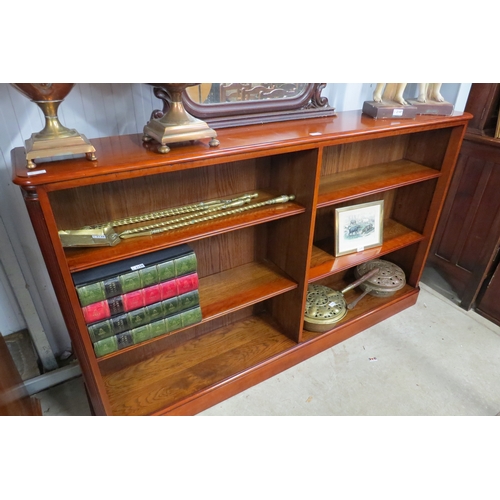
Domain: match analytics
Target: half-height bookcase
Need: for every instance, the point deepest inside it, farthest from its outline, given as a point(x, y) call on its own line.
point(254, 267)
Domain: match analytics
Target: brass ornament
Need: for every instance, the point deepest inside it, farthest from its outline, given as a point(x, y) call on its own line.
point(325, 306)
point(211, 216)
point(388, 281)
point(176, 124)
point(105, 235)
point(54, 139)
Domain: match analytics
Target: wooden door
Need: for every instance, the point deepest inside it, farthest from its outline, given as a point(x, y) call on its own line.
point(489, 303)
point(467, 235)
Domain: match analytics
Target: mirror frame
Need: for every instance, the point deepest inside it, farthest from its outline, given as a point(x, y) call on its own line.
point(309, 103)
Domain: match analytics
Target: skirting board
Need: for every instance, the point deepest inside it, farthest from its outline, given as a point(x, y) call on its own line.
point(49, 379)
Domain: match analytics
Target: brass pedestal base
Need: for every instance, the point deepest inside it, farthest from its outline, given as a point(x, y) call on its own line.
point(172, 133)
point(46, 147)
point(176, 125)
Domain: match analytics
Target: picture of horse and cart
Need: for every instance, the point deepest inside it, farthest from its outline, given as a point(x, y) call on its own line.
point(358, 227)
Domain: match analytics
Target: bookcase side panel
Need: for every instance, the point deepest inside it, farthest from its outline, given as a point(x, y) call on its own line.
point(448, 164)
point(54, 260)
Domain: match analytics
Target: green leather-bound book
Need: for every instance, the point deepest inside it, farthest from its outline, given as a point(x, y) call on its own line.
point(141, 333)
point(185, 264)
point(106, 346)
point(173, 322)
point(191, 316)
point(158, 328)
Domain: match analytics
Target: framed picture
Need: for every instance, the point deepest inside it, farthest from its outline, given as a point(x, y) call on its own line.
point(359, 227)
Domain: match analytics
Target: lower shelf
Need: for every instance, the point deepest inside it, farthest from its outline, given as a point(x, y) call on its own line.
point(364, 308)
point(175, 375)
point(204, 371)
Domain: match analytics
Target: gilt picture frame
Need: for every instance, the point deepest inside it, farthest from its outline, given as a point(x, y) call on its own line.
point(359, 227)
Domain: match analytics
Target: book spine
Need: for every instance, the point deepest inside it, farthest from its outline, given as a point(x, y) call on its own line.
point(142, 316)
point(136, 299)
point(136, 279)
point(142, 333)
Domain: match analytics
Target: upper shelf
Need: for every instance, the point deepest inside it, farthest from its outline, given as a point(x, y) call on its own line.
point(126, 157)
point(352, 184)
point(80, 258)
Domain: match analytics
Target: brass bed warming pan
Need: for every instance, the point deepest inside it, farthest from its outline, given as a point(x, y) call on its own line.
point(325, 306)
point(385, 283)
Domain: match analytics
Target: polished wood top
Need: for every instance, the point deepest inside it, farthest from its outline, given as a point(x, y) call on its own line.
point(127, 156)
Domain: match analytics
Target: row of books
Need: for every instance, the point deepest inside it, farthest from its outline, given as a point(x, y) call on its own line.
point(148, 331)
point(139, 298)
point(134, 300)
point(142, 316)
point(107, 281)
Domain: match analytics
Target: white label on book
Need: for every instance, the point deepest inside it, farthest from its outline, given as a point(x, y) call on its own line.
point(138, 266)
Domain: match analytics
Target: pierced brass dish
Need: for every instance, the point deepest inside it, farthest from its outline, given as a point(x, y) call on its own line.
point(325, 306)
point(386, 282)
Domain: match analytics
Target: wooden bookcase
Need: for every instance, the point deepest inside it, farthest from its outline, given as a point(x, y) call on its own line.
point(254, 267)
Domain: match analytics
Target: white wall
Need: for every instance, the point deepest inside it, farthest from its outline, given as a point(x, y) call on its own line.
point(96, 110)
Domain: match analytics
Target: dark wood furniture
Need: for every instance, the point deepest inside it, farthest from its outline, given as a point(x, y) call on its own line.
point(467, 239)
point(254, 267)
point(14, 398)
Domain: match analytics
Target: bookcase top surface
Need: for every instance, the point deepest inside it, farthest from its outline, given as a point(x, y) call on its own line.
point(127, 156)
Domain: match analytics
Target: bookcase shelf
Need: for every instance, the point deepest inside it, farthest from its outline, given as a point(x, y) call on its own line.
point(253, 267)
point(323, 263)
point(243, 286)
point(194, 366)
point(80, 258)
point(364, 308)
point(230, 291)
point(345, 186)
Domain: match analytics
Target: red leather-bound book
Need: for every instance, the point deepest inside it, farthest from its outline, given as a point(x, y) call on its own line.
point(104, 309)
point(96, 311)
point(187, 283)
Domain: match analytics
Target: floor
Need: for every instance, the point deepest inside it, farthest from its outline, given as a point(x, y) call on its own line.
point(431, 359)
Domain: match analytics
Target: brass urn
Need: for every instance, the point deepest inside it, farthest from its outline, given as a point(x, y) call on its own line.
point(54, 139)
point(176, 124)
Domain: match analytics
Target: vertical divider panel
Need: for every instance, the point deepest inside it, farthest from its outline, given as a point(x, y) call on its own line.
point(290, 240)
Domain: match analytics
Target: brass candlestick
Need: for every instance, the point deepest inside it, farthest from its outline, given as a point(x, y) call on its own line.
point(176, 125)
point(54, 139)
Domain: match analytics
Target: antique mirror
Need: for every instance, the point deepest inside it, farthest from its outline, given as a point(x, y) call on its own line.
point(231, 104)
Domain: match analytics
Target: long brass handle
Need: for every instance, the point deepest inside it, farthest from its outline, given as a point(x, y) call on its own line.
point(216, 208)
point(366, 276)
point(169, 212)
point(197, 220)
point(352, 304)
